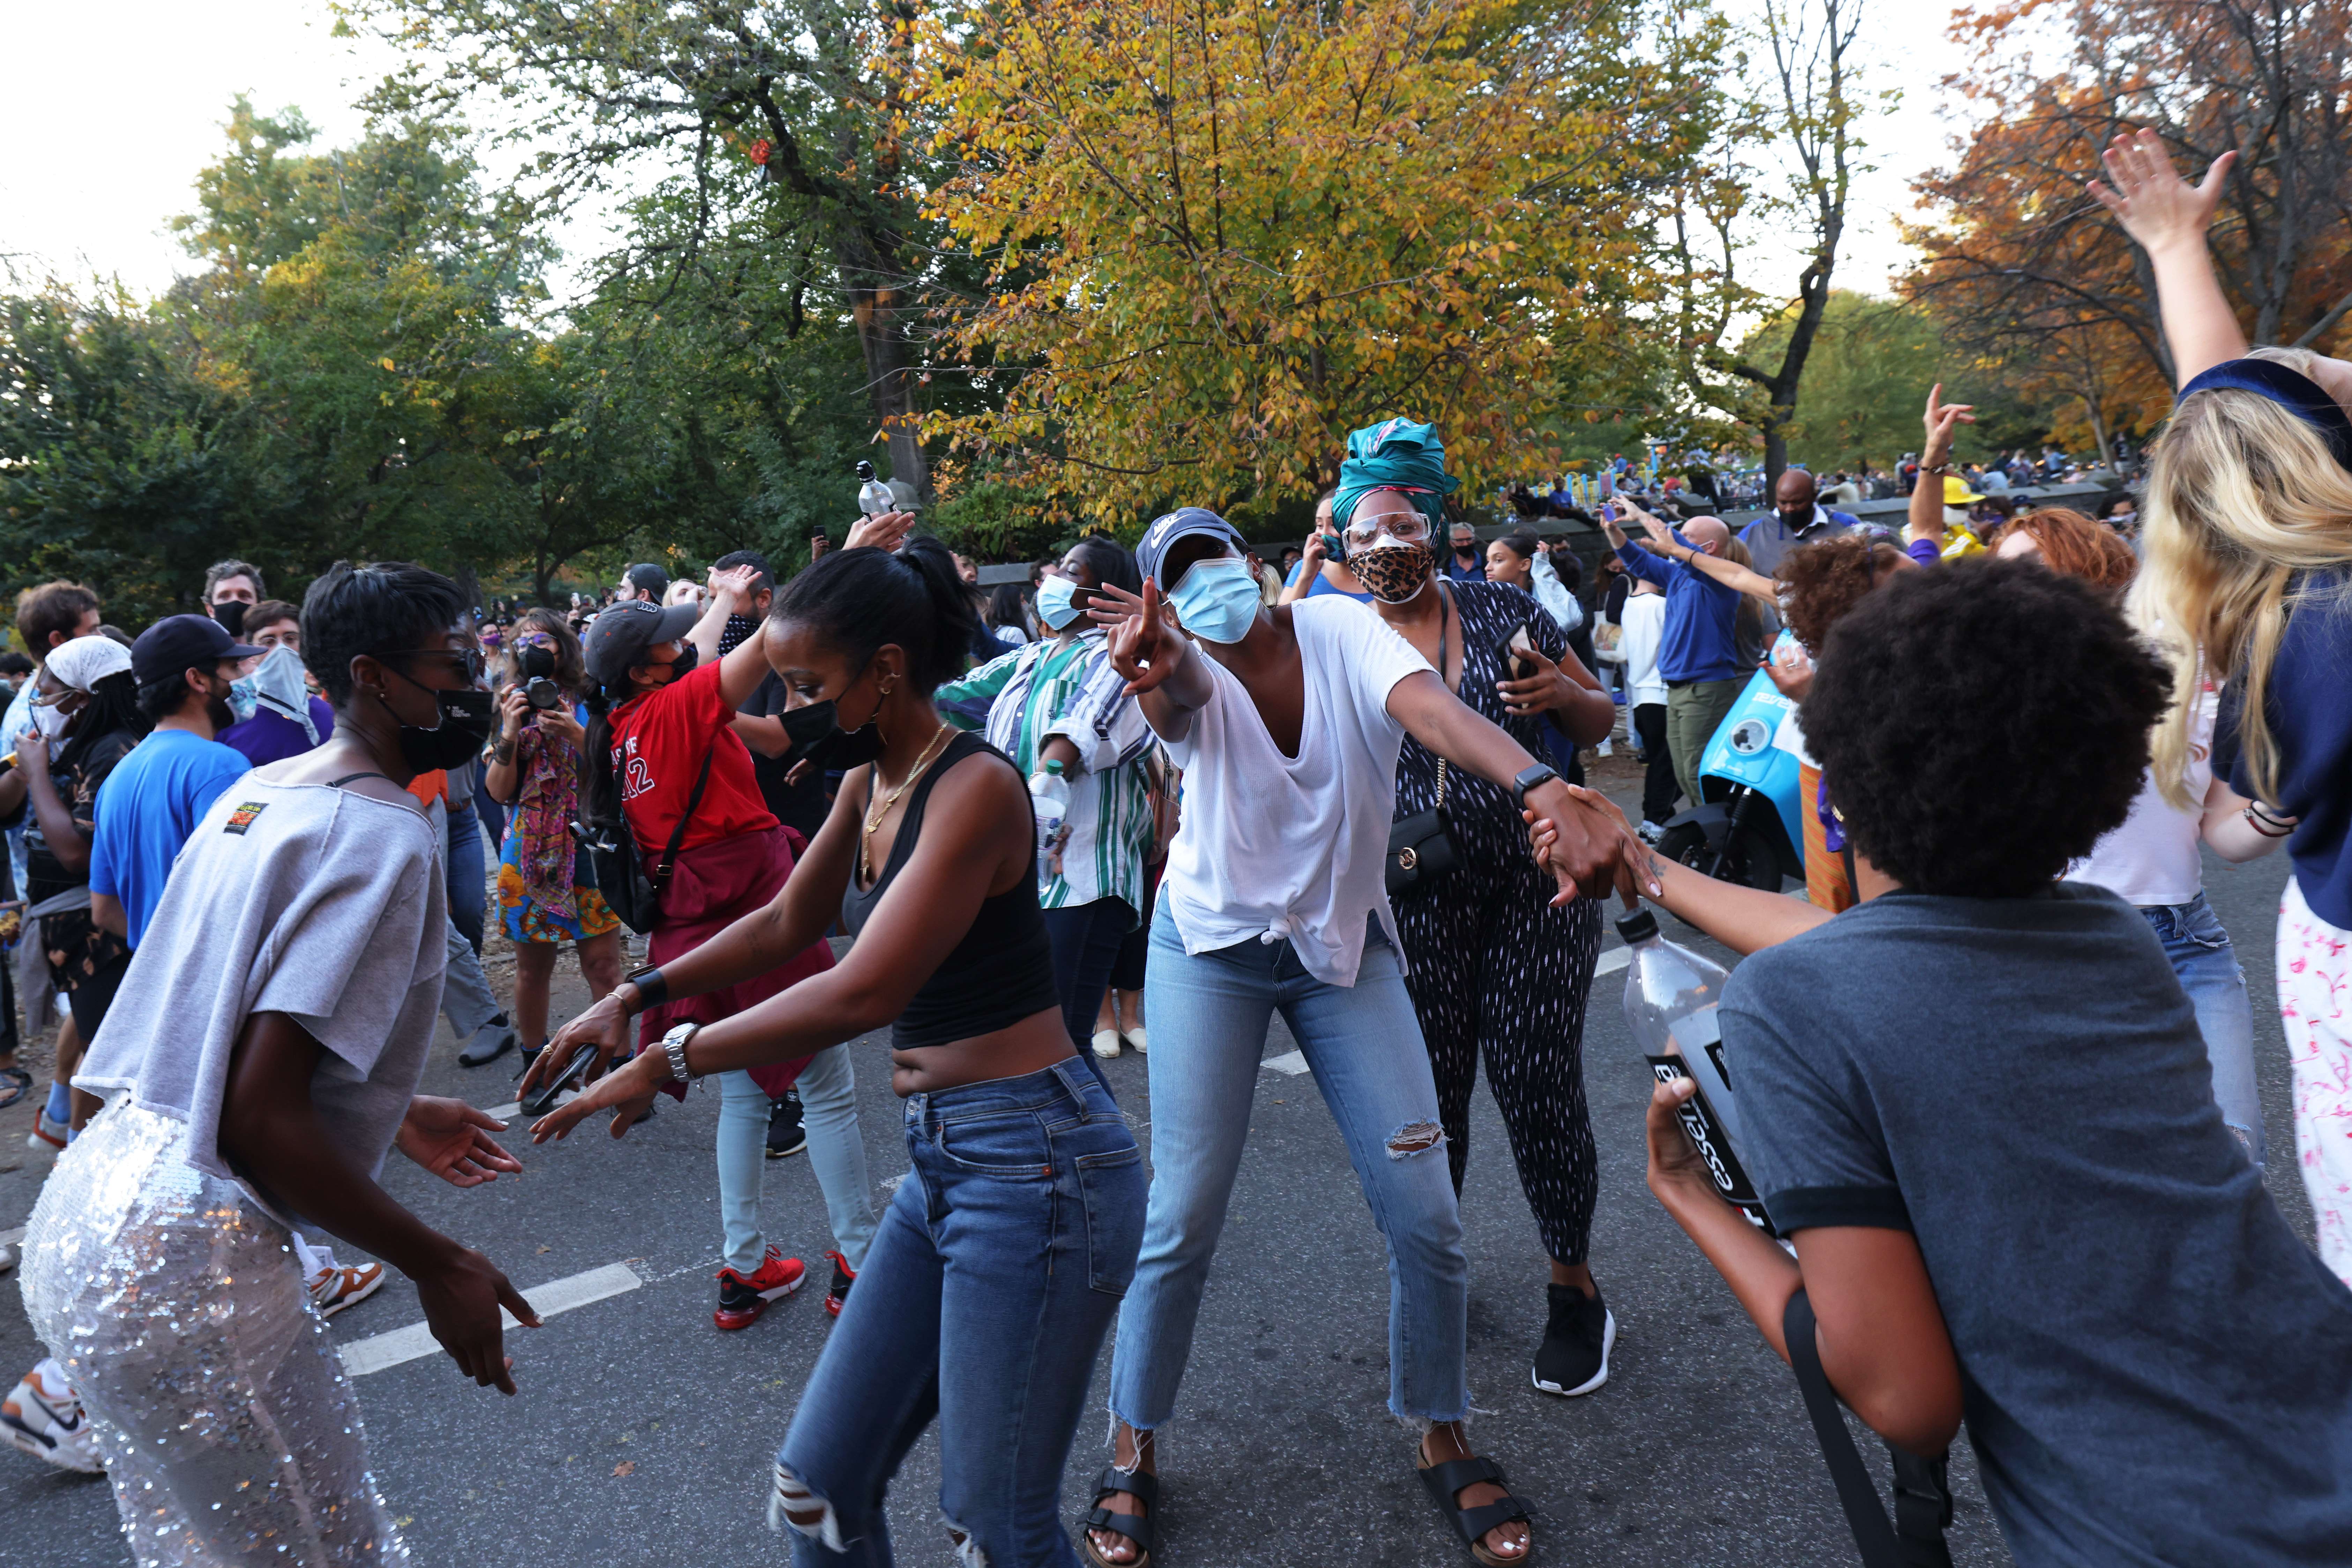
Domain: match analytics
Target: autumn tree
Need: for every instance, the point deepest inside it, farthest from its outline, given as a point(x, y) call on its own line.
point(1217, 236)
point(2029, 269)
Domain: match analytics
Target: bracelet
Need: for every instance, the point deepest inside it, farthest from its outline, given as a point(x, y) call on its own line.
point(2255, 816)
point(653, 990)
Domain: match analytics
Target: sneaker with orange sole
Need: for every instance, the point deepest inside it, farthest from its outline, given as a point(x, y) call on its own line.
point(741, 1300)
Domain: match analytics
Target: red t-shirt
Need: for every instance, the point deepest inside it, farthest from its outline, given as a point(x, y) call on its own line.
point(658, 741)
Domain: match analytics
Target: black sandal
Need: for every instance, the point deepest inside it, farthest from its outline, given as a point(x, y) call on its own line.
point(15, 1084)
point(1136, 1527)
point(1445, 1482)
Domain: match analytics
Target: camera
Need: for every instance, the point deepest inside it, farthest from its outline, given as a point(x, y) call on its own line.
point(538, 688)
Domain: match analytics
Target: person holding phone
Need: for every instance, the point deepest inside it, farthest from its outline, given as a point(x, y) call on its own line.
point(1057, 703)
point(1323, 567)
point(1495, 968)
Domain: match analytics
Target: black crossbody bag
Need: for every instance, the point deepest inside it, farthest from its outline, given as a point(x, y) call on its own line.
point(631, 895)
point(1423, 850)
point(1923, 1494)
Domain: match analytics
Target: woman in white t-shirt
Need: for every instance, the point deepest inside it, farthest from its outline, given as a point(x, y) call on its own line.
point(260, 1061)
point(1287, 724)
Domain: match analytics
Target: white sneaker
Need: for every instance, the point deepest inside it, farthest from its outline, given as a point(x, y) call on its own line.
point(333, 1288)
point(1649, 832)
point(1106, 1043)
point(44, 1417)
point(1136, 1038)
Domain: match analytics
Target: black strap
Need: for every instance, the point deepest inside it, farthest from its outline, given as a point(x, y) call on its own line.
point(678, 834)
point(338, 783)
point(1923, 1498)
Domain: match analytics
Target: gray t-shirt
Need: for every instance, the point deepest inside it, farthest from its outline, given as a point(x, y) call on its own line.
point(302, 899)
point(2155, 1369)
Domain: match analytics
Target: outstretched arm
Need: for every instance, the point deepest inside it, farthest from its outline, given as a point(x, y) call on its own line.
point(2169, 216)
point(1926, 525)
point(1731, 573)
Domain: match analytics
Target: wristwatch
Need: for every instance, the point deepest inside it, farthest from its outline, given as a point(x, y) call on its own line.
point(673, 1046)
point(1535, 778)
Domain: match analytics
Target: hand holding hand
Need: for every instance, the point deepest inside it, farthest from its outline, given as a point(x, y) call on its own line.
point(2156, 206)
point(881, 531)
point(451, 1139)
point(625, 1092)
point(1585, 848)
point(602, 1028)
point(462, 1298)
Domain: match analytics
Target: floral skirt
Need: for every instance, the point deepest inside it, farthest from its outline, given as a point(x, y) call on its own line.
point(528, 920)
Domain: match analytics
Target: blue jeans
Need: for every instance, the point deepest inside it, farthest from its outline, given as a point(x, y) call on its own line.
point(2199, 947)
point(1209, 1016)
point(465, 872)
point(983, 1303)
point(836, 1152)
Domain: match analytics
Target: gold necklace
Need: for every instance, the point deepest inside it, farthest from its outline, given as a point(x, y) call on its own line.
point(881, 809)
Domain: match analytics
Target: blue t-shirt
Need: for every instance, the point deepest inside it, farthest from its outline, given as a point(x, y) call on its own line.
point(1701, 641)
point(145, 812)
point(2308, 702)
point(2154, 1367)
point(1321, 584)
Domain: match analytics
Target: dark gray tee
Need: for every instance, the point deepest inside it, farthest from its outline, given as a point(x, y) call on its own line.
point(2155, 1369)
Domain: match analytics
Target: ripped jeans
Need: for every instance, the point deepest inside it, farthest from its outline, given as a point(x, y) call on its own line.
point(983, 1305)
point(1209, 1014)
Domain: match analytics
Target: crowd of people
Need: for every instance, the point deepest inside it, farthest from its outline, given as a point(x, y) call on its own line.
point(1996, 1067)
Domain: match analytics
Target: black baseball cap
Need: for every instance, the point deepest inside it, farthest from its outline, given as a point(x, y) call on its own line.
point(649, 580)
point(1180, 524)
point(178, 643)
point(618, 639)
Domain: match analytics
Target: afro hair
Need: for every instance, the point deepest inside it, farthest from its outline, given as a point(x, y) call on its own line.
point(1980, 726)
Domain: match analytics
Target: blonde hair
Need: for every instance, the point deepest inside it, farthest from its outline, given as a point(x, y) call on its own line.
point(2242, 497)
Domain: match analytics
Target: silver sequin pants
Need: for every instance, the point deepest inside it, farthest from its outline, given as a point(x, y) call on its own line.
point(227, 1427)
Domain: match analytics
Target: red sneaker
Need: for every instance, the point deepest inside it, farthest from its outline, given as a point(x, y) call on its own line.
point(844, 1275)
point(742, 1301)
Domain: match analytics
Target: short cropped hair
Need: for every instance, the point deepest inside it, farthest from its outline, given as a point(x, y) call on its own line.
point(220, 570)
point(269, 613)
point(380, 607)
point(766, 581)
point(51, 608)
point(1980, 726)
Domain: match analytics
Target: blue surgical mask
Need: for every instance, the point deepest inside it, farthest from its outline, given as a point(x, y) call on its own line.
point(1217, 601)
point(1054, 606)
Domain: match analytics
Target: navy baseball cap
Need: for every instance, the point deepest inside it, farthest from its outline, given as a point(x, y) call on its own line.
point(178, 643)
point(616, 641)
point(1181, 523)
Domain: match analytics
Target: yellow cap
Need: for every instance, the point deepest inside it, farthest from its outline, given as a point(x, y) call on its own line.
point(1957, 491)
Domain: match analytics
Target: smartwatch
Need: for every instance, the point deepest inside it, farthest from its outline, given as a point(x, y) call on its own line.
point(673, 1046)
point(1535, 778)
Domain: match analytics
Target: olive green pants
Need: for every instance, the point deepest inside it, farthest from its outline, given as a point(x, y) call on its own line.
point(1694, 709)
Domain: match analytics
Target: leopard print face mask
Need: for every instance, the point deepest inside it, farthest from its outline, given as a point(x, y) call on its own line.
point(1393, 573)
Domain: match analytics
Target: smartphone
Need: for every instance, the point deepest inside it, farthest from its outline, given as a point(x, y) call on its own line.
point(575, 1071)
point(1519, 643)
point(1082, 598)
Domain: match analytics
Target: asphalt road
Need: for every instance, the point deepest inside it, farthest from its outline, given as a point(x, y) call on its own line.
point(644, 1435)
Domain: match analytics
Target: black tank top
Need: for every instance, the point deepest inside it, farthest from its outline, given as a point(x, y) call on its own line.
point(1001, 972)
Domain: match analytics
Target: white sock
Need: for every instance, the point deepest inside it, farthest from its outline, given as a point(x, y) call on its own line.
point(315, 1261)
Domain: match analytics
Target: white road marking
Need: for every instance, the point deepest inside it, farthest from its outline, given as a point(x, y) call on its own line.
point(1613, 960)
point(378, 1351)
point(508, 1113)
point(10, 1238)
point(1291, 1061)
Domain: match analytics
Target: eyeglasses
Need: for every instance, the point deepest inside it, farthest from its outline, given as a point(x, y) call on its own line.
point(536, 639)
point(1405, 528)
point(471, 658)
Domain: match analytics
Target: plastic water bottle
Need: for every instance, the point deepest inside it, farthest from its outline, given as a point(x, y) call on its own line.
point(1671, 996)
point(1049, 797)
point(874, 497)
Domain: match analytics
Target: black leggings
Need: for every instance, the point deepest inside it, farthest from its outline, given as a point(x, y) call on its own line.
point(1085, 942)
point(1495, 970)
point(1658, 785)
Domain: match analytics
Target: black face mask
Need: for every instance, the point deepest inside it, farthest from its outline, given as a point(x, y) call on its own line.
point(738, 629)
point(538, 662)
point(819, 740)
point(466, 720)
point(688, 657)
point(230, 615)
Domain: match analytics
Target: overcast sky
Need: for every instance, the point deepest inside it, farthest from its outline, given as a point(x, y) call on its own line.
point(111, 109)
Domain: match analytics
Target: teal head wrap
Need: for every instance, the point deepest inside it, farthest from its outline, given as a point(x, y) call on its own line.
point(1396, 454)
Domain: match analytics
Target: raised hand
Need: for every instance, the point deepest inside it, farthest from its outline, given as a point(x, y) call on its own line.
point(2156, 206)
point(451, 1139)
point(881, 531)
point(1941, 420)
point(1143, 646)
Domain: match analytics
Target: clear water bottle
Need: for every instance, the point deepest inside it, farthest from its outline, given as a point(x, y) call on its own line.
point(1049, 797)
point(1671, 996)
point(874, 497)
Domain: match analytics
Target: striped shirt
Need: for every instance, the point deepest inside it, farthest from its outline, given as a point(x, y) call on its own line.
point(1051, 688)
